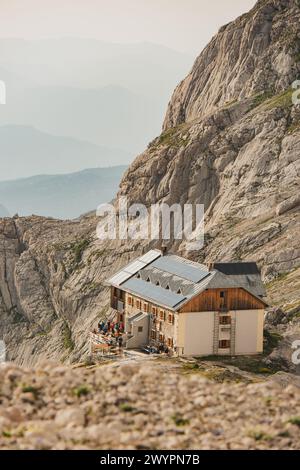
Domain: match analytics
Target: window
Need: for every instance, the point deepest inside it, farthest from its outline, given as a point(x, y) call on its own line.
point(138, 275)
point(154, 310)
point(222, 294)
point(148, 279)
point(160, 326)
point(171, 318)
point(157, 283)
point(225, 320)
point(153, 334)
point(130, 300)
point(162, 314)
point(170, 342)
point(145, 307)
point(179, 291)
point(140, 329)
point(224, 344)
point(161, 338)
point(167, 287)
point(138, 303)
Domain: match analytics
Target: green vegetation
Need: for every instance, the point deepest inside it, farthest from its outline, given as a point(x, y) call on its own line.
point(258, 435)
point(96, 255)
point(179, 420)
point(280, 277)
point(230, 103)
point(191, 366)
point(78, 249)
point(91, 286)
point(293, 127)
point(221, 375)
point(261, 98)
point(67, 337)
point(295, 420)
point(271, 101)
point(283, 100)
point(126, 407)
point(252, 364)
point(81, 391)
point(31, 389)
point(174, 137)
point(271, 341)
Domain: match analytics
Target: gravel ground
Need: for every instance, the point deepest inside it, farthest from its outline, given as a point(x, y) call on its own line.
point(141, 406)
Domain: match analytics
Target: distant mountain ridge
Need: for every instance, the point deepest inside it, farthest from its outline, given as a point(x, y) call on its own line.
point(61, 196)
point(111, 95)
point(25, 152)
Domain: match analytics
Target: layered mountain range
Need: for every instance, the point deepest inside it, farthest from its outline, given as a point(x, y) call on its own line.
point(230, 141)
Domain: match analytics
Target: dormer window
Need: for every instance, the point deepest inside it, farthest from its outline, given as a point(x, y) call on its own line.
point(168, 287)
point(148, 279)
point(179, 291)
point(138, 276)
point(157, 283)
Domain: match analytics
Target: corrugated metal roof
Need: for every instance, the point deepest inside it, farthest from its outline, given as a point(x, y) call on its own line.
point(185, 270)
point(160, 279)
point(132, 268)
point(120, 277)
point(150, 256)
point(154, 293)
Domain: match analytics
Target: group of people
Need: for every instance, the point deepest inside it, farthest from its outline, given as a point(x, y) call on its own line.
point(113, 331)
point(108, 327)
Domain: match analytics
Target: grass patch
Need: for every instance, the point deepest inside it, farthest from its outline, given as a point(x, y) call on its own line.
point(189, 366)
point(283, 100)
point(78, 249)
point(179, 420)
point(221, 375)
point(271, 341)
point(259, 435)
point(280, 277)
point(252, 364)
point(228, 104)
point(31, 389)
point(67, 338)
point(173, 137)
point(261, 98)
point(81, 391)
point(126, 407)
point(295, 420)
point(293, 127)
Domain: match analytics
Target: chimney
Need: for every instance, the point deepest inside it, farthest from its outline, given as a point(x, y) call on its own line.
point(164, 249)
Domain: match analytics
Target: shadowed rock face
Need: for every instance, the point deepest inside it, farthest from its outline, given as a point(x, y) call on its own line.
point(231, 140)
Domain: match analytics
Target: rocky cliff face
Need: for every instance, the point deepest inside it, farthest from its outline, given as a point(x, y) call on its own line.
point(231, 140)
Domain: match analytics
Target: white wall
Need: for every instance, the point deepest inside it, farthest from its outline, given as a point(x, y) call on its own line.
point(249, 331)
point(198, 333)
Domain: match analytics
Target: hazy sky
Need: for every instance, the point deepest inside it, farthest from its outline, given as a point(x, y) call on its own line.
point(185, 25)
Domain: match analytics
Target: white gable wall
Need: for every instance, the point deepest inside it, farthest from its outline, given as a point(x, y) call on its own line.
point(195, 335)
point(249, 331)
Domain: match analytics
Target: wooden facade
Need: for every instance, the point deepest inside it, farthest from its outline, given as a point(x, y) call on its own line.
point(213, 300)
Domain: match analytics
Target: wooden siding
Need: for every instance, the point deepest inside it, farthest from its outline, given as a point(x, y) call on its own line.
point(212, 300)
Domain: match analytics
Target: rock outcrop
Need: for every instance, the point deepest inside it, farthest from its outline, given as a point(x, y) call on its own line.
point(231, 140)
